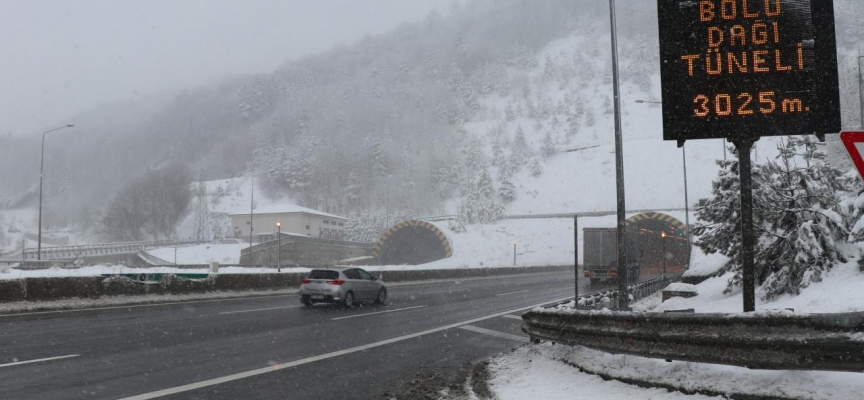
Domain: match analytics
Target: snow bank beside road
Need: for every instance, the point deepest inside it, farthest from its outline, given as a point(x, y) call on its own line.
point(530, 372)
point(839, 291)
point(542, 371)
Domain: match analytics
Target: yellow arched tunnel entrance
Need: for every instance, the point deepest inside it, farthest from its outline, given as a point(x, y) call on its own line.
point(412, 243)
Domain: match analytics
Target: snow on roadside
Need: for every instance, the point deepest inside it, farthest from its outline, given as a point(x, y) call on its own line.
point(702, 264)
point(540, 369)
point(839, 291)
point(202, 254)
point(528, 373)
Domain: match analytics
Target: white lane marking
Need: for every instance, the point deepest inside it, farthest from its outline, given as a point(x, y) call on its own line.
point(258, 309)
point(379, 312)
point(277, 367)
point(519, 317)
point(443, 291)
point(39, 360)
point(148, 305)
point(497, 334)
point(505, 294)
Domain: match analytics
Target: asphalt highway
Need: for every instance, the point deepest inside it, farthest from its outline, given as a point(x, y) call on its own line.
point(268, 347)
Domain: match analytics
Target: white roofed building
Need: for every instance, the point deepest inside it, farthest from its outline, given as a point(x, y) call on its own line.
point(294, 220)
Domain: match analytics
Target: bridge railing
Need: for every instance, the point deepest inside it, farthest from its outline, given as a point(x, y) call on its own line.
point(85, 250)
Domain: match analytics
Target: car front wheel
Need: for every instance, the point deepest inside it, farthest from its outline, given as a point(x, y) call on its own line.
point(382, 296)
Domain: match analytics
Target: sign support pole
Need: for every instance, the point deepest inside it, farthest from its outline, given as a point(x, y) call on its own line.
point(576, 258)
point(748, 237)
point(623, 298)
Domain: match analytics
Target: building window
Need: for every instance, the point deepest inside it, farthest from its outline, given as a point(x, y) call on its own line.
point(341, 224)
point(326, 222)
point(307, 227)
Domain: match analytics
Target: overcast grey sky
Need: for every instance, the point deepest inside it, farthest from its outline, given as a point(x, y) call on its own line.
point(62, 57)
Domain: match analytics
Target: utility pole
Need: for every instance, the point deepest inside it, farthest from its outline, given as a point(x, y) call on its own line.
point(514, 253)
point(623, 294)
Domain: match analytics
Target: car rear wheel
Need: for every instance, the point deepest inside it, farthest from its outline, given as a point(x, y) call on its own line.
point(382, 296)
point(349, 300)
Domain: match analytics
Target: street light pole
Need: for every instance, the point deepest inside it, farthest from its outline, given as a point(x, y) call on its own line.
point(514, 253)
point(861, 90)
point(279, 247)
point(41, 176)
point(663, 236)
point(251, 210)
point(624, 300)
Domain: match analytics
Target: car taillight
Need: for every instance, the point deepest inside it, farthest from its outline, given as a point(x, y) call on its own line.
point(306, 281)
point(337, 282)
point(589, 274)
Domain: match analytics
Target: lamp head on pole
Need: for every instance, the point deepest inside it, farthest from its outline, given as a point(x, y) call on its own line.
point(278, 224)
point(663, 234)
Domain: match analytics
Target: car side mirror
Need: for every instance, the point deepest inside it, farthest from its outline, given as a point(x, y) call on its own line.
point(374, 278)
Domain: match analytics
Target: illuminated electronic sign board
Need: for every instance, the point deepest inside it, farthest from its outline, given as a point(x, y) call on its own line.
point(742, 69)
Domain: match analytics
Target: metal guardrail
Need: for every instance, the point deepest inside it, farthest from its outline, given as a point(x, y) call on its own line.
point(774, 340)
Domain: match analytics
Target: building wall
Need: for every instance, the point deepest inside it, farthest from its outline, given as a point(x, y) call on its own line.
point(297, 223)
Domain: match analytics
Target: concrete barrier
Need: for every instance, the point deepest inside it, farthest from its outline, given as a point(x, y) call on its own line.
point(62, 288)
point(41, 289)
point(11, 290)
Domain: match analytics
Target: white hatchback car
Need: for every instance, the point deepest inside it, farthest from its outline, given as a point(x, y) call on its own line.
point(345, 285)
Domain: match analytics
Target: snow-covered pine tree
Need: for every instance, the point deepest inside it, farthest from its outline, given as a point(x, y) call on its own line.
point(505, 188)
point(498, 159)
point(548, 148)
point(803, 225)
point(380, 159)
point(589, 117)
point(538, 125)
point(520, 150)
point(796, 219)
point(718, 220)
point(480, 205)
point(548, 67)
point(536, 169)
point(607, 106)
point(471, 159)
point(509, 113)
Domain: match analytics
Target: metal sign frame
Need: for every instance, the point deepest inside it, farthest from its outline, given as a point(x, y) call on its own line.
point(742, 69)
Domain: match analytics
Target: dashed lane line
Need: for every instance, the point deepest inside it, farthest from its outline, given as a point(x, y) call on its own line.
point(373, 313)
point(258, 309)
point(506, 294)
point(38, 360)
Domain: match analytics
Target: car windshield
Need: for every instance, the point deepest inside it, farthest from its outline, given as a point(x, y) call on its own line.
point(382, 199)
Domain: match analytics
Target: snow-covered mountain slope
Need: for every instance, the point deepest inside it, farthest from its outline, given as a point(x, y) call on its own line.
point(580, 175)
